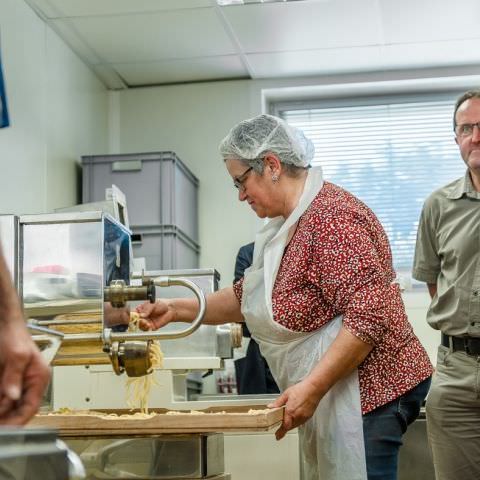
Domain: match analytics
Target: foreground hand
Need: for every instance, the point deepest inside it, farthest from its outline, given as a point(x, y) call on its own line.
point(24, 374)
point(155, 315)
point(301, 401)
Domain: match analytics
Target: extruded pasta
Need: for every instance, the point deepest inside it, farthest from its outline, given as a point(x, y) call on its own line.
point(139, 388)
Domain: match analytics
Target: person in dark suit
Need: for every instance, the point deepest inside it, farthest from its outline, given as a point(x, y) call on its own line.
point(252, 371)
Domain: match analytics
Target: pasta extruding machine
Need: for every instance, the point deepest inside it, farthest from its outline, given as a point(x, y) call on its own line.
point(73, 272)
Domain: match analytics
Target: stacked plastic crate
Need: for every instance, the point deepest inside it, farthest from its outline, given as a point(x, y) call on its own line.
point(162, 202)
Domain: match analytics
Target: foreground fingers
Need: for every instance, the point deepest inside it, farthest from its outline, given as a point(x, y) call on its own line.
point(6, 404)
point(33, 380)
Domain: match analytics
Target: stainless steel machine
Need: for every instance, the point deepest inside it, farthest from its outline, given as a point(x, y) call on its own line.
point(73, 273)
point(74, 276)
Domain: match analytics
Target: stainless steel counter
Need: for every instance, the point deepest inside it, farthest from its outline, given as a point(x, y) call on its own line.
point(161, 457)
point(32, 455)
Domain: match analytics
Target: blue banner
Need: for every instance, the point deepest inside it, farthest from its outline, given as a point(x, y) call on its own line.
point(4, 122)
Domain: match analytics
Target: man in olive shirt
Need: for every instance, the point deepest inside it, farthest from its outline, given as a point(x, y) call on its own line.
point(447, 258)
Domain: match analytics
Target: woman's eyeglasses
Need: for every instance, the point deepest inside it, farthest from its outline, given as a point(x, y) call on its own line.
point(240, 180)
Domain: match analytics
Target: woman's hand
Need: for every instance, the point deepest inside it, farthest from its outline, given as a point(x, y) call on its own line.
point(155, 315)
point(113, 316)
point(301, 401)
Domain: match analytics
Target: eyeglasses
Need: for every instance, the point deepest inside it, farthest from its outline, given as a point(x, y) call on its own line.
point(240, 180)
point(466, 129)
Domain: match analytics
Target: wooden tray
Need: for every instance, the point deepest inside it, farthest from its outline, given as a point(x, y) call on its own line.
point(214, 419)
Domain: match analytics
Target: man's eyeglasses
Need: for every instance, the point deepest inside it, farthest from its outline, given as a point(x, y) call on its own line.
point(240, 180)
point(466, 129)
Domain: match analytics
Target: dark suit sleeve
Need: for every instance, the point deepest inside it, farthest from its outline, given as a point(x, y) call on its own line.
point(243, 261)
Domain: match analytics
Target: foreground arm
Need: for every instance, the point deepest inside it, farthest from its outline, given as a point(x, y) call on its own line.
point(300, 400)
point(222, 307)
point(23, 372)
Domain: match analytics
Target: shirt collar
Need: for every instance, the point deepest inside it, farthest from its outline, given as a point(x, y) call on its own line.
point(463, 187)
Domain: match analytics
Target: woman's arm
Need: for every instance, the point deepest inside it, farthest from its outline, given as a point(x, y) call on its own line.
point(222, 307)
point(342, 357)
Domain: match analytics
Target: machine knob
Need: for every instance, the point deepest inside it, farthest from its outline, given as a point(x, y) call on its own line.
point(118, 293)
point(133, 358)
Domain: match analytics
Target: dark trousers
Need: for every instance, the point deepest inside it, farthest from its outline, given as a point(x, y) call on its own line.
point(383, 429)
point(253, 374)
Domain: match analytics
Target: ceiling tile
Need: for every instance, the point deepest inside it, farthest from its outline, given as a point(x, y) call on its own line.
point(274, 27)
point(210, 68)
point(364, 59)
point(411, 21)
point(314, 62)
point(80, 8)
point(158, 36)
point(432, 54)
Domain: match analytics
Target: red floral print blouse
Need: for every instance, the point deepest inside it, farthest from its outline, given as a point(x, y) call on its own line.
point(339, 262)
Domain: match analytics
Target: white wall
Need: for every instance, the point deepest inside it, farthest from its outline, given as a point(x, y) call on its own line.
point(416, 304)
point(58, 111)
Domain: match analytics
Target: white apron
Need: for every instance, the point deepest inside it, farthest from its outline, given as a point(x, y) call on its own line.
point(331, 441)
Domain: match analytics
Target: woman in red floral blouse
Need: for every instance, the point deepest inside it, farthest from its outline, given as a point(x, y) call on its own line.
point(321, 301)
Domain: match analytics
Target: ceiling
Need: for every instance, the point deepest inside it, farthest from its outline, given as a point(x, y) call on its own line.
point(131, 43)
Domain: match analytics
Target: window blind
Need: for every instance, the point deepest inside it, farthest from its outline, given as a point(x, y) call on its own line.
point(390, 155)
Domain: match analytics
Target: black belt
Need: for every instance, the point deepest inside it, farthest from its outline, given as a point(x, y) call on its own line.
point(469, 345)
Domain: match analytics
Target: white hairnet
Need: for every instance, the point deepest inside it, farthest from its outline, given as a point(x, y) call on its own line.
point(256, 136)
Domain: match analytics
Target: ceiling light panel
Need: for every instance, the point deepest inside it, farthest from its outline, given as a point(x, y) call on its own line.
point(86, 8)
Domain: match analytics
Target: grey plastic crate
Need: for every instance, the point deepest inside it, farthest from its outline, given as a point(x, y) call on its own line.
point(159, 188)
point(164, 247)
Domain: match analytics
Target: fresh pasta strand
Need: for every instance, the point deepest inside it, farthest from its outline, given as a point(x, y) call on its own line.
point(139, 388)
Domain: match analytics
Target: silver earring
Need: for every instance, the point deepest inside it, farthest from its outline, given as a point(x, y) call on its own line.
point(274, 178)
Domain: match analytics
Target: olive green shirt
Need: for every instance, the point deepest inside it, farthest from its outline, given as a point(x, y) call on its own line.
point(447, 254)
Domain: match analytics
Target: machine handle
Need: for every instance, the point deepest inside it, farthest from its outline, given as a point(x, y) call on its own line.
point(110, 336)
point(48, 341)
point(127, 166)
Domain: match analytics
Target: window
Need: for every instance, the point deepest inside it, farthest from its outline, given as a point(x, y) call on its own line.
point(389, 152)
